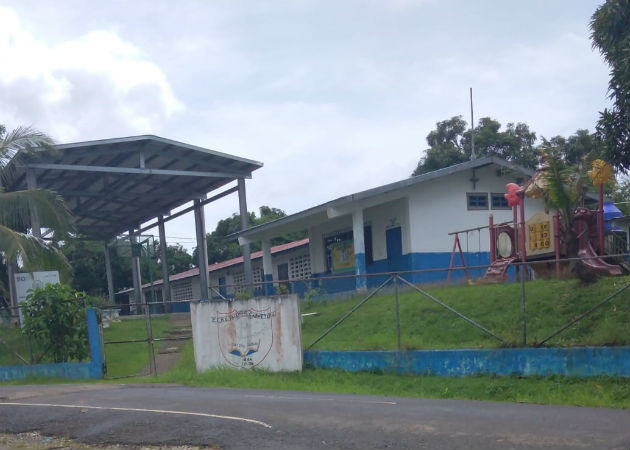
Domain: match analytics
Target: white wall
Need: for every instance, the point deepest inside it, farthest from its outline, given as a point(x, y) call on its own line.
point(383, 217)
point(440, 206)
point(259, 333)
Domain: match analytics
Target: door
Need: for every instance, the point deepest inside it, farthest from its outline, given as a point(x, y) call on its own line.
point(283, 275)
point(222, 289)
point(393, 240)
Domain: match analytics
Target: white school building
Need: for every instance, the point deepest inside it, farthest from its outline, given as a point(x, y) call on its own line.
point(401, 226)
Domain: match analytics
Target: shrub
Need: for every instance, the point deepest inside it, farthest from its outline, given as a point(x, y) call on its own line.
point(54, 319)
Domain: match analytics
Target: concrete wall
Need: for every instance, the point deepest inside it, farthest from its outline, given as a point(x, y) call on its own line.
point(260, 333)
point(383, 217)
point(72, 370)
point(440, 206)
point(573, 361)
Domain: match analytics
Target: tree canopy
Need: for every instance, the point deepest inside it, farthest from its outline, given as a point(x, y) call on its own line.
point(451, 143)
point(222, 249)
point(610, 33)
point(19, 208)
point(88, 264)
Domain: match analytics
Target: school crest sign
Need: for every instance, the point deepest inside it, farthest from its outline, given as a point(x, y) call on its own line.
point(246, 334)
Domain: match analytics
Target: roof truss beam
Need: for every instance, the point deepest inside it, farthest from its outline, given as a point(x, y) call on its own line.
point(137, 171)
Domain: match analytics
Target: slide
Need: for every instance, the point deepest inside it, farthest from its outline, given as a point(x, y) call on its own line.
point(596, 263)
point(496, 272)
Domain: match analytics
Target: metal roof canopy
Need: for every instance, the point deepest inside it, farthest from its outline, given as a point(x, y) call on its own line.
point(335, 208)
point(114, 185)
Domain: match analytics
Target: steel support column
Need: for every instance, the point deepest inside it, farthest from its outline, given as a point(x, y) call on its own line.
point(108, 271)
point(31, 183)
point(166, 285)
point(202, 249)
point(247, 260)
point(135, 269)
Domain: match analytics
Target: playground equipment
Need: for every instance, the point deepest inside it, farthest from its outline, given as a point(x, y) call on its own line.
point(541, 236)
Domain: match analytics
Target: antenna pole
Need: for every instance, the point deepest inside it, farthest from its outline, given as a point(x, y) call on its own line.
point(472, 124)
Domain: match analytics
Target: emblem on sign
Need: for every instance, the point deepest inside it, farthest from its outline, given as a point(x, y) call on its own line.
point(245, 336)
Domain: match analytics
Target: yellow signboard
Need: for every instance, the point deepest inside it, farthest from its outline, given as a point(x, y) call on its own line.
point(539, 233)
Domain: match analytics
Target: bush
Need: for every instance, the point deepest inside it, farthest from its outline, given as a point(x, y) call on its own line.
point(54, 319)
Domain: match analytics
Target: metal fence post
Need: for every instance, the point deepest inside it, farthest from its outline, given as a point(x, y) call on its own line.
point(523, 305)
point(397, 311)
point(147, 319)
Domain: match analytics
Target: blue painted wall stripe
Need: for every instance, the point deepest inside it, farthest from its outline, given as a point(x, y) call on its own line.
point(572, 361)
point(360, 269)
point(269, 287)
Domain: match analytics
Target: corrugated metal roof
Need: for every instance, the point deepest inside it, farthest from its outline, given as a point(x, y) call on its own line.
point(223, 264)
point(302, 218)
point(113, 185)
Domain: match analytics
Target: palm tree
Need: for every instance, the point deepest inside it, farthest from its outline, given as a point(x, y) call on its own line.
point(17, 208)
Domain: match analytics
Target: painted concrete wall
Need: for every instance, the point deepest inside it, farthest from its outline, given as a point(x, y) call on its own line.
point(263, 333)
point(383, 217)
point(71, 370)
point(440, 206)
point(572, 361)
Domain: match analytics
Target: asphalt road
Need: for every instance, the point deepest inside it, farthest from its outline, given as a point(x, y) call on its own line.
point(253, 419)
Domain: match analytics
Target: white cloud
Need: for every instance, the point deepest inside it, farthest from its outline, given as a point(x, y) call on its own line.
point(96, 85)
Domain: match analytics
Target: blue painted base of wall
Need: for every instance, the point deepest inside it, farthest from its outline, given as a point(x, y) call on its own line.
point(180, 307)
point(411, 262)
point(575, 361)
point(59, 370)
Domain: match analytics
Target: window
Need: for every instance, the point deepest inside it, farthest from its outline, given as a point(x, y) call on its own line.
point(239, 279)
point(477, 200)
point(182, 291)
point(498, 201)
point(300, 267)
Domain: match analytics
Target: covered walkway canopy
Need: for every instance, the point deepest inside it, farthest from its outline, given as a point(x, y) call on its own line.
point(113, 186)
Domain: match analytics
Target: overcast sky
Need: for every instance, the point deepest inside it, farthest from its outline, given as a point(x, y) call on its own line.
point(334, 97)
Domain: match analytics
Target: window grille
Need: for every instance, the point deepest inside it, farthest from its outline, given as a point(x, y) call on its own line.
point(300, 267)
point(182, 291)
point(477, 200)
point(498, 201)
point(239, 279)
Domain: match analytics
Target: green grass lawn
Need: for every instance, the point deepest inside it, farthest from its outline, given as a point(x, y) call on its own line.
point(129, 359)
point(426, 325)
point(550, 304)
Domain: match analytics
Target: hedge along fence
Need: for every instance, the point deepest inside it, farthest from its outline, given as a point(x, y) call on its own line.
point(73, 370)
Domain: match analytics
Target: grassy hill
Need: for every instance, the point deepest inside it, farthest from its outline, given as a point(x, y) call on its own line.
point(426, 325)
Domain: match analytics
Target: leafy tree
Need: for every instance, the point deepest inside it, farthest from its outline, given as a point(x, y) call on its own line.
point(610, 33)
point(222, 249)
point(16, 206)
point(579, 147)
point(620, 193)
point(54, 318)
point(445, 146)
point(451, 143)
point(88, 264)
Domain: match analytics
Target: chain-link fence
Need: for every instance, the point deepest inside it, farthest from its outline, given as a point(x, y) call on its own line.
point(384, 311)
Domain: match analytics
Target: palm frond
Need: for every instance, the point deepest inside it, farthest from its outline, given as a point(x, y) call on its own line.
point(17, 144)
point(52, 212)
point(34, 252)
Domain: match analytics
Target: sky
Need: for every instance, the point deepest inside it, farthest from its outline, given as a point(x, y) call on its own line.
point(333, 97)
